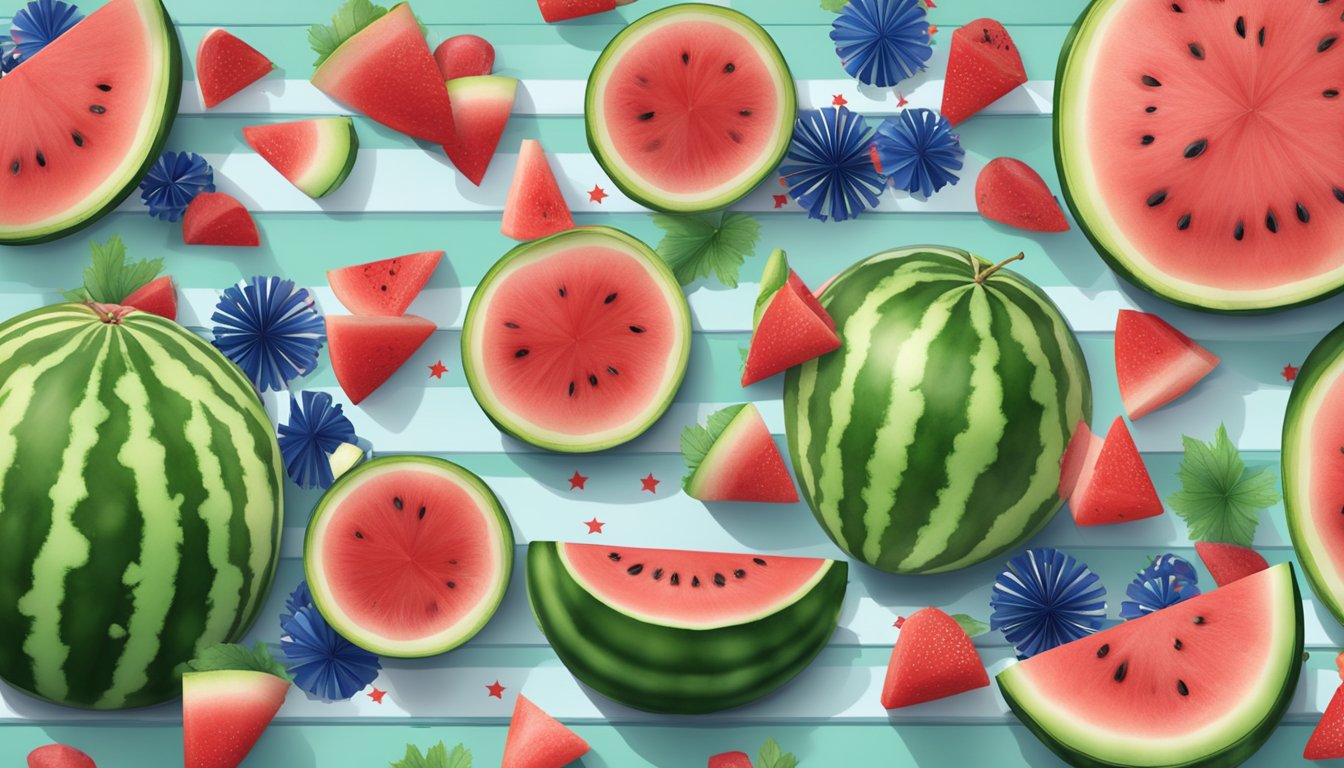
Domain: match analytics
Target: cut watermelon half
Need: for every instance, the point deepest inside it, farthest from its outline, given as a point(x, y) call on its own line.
point(983, 66)
point(934, 658)
point(464, 56)
point(215, 218)
point(314, 155)
point(1113, 485)
point(790, 327)
point(1011, 192)
point(59, 756)
point(366, 351)
point(537, 740)
point(1327, 739)
point(383, 288)
point(1229, 562)
point(225, 712)
point(387, 72)
point(730, 760)
point(481, 109)
point(408, 556)
point(1155, 363)
point(534, 208)
point(157, 297)
point(226, 65)
point(735, 459)
point(1201, 683)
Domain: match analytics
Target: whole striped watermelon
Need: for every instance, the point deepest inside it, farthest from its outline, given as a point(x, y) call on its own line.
point(931, 440)
point(139, 504)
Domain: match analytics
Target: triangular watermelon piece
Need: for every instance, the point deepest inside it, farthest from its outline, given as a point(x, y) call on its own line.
point(59, 756)
point(934, 658)
point(735, 459)
point(157, 297)
point(366, 351)
point(534, 208)
point(1114, 485)
point(464, 56)
point(226, 65)
point(383, 288)
point(537, 740)
point(1155, 363)
point(314, 155)
point(225, 712)
point(1327, 741)
point(1082, 452)
point(387, 72)
point(1011, 192)
point(562, 10)
point(481, 109)
point(730, 760)
point(215, 218)
point(1229, 562)
point(790, 326)
point(983, 65)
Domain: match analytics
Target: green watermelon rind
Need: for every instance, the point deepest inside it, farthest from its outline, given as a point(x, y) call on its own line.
point(167, 105)
point(712, 465)
point(650, 198)
point(1235, 752)
point(339, 151)
point(326, 602)
point(681, 311)
point(674, 670)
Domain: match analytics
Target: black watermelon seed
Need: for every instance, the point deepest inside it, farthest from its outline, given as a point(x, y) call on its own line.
point(1157, 198)
point(1176, 8)
point(719, 580)
point(1198, 620)
point(1330, 93)
point(1178, 644)
point(79, 140)
point(636, 329)
point(646, 116)
point(1150, 110)
point(675, 580)
point(1241, 26)
point(397, 502)
point(562, 293)
point(729, 68)
point(1151, 82)
point(1272, 223)
point(14, 169)
point(1183, 223)
point(653, 146)
point(1196, 149)
point(1121, 671)
point(1261, 37)
point(41, 159)
point(1325, 43)
point(452, 562)
point(383, 288)
point(1147, 140)
point(745, 112)
point(1197, 51)
point(610, 298)
point(657, 573)
point(614, 557)
point(1239, 231)
point(735, 136)
point(758, 561)
point(1103, 650)
point(1303, 215)
point(104, 87)
point(97, 109)
point(685, 58)
point(695, 581)
point(739, 574)
point(613, 371)
point(452, 585)
point(635, 569)
point(358, 535)
point(1339, 193)
point(1181, 688)
point(592, 379)
point(511, 325)
point(422, 517)
point(571, 389)
point(521, 353)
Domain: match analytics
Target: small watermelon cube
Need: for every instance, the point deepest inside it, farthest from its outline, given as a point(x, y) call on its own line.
point(534, 208)
point(1113, 485)
point(537, 740)
point(226, 65)
point(1155, 363)
point(366, 351)
point(215, 218)
point(934, 658)
point(1229, 562)
point(790, 326)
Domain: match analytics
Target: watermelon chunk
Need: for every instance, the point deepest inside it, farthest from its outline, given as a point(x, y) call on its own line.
point(1327, 740)
point(383, 288)
point(1114, 485)
point(1011, 192)
point(1229, 562)
point(215, 218)
point(736, 459)
point(59, 756)
point(730, 760)
point(225, 712)
point(157, 297)
point(314, 155)
point(366, 351)
point(387, 72)
point(983, 65)
point(1082, 451)
point(563, 10)
point(481, 110)
point(464, 56)
point(1155, 363)
point(537, 740)
point(934, 658)
point(226, 65)
point(790, 326)
point(534, 208)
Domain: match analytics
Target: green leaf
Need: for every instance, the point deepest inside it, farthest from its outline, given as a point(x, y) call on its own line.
point(773, 277)
point(699, 246)
point(438, 756)
point(834, 6)
point(697, 440)
point(350, 19)
point(971, 625)
point(233, 656)
point(774, 757)
point(1217, 500)
point(110, 278)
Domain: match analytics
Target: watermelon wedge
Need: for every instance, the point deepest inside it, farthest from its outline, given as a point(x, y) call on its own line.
point(225, 712)
point(1011, 192)
point(1155, 363)
point(215, 218)
point(59, 756)
point(789, 327)
point(481, 109)
point(314, 155)
point(537, 740)
point(1113, 485)
point(1327, 740)
point(983, 65)
point(1201, 683)
point(387, 72)
point(735, 459)
point(226, 65)
point(464, 56)
point(1083, 449)
point(534, 208)
point(366, 351)
point(157, 297)
point(563, 10)
point(934, 658)
point(1229, 562)
point(730, 760)
point(383, 288)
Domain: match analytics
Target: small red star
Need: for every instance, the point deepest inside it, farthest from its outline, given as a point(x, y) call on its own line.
point(496, 690)
point(577, 481)
point(838, 100)
point(929, 4)
point(649, 483)
point(933, 30)
point(783, 182)
point(597, 195)
point(876, 158)
point(781, 200)
point(901, 101)
point(594, 526)
point(438, 369)
point(1289, 373)
point(377, 695)
point(899, 622)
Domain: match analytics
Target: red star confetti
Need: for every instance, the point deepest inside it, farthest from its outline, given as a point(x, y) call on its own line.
point(377, 695)
point(577, 481)
point(783, 182)
point(1289, 373)
point(838, 100)
point(594, 526)
point(438, 369)
point(597, 195)
point(929, 4)
point(901, 101)
point(933, 30)
point(781, 200)
point(496, 690)
point(899, 622)
point(650, 483)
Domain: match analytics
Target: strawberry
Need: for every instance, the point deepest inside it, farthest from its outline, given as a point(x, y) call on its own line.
point(982, 66)
point(933, 658)
point(465, 56)
point(1010, 192)
point(730, 760)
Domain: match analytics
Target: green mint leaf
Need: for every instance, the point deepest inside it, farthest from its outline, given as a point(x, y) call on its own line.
point(774, 757)
point(1217, 500)
point(773, 277)
point(109, 278)
point(352, 17)
point(460, 758)
point(437, 757)
point(697, 440)
point(834, 6)
point(701, 246)
point(229, 656)
point(972, 626)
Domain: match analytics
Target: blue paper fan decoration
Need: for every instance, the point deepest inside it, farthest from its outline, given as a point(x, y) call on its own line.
point(322, 662)
point(317, 427)
point(173, 181)
point(828, 168)
point(38, 23)
point(1163, 583)
point(267, 325)
point(9, 55)
point(1044, 599)
point(882, 42)
point(918, 152)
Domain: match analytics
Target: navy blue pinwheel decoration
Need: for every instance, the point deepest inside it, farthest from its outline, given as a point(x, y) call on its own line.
point(316, 427)
point(918, 152)
point(173, 181)
point(268, 326)
point(9, 55)
point(1163, 583)
point(828, 168)
point(322, 663)
point(882, 42)
point(1044, 599)
point(40, 22)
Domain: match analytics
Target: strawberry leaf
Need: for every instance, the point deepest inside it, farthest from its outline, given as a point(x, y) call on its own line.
point(834, 6)
point(697, 440)
point(1218, 500)
point(437, 756)
point(350, 19)
point(774, 757)
point(110, 278)
point(972, 626)
point(700, 246)
point(231, 656)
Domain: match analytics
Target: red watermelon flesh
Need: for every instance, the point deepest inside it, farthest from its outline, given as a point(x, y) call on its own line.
point(383, 288)
point(157, 297)
point(59, 756)
point(982, 66)
point(225, 712)
point(366, 351)
point(537, 740)
point(1155, 363)
point(464, 56)
point(226, 65)
point(730, 760)
point(215, 218)
point(1327, 740)
point(561, 10)
point(534, 208)
point(744, 464)
point(387, 72)
point(1082, 452)
point(934, 658)
point(1229, 562)
point(792, 330)
point(481, 109)
point(1011, 192)
point(1115, 487)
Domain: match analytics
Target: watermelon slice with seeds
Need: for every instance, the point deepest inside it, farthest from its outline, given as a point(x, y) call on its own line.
point(1011, 192)
point(1155, 363)
point(226, 65)
point(366, 351)
point(383, 288)
point(983, 65)
point(534, 208)
point(157, 297)
point(59, 756)
point(216, 218)
point(225, 712)
point(464, 56)
point(1113, 485)
point(790, 326)
point(730, 760)
point(1229, 562)
point(735, 458)
point(934, 658)
point(537, 740)
point(481, 110)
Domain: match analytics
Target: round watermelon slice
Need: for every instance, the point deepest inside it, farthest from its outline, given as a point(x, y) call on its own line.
point(408, 556)
point(314, 155)
point(690, 108)
point(80, 127)
point(1198, 146)
point(577, 342)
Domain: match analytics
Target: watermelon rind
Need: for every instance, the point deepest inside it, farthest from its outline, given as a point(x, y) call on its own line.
point(1225, 747)
point(728, 194)
point(659, 667)
point(466, 628)
point(338, 148)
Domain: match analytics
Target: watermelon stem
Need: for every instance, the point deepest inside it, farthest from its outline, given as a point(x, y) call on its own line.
point(983, 275)
point(111, 314)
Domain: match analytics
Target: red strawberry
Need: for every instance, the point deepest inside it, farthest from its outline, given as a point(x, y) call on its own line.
point(933, 658)
point(730, 760)
point(1115, 487)
point(157, 297)
point(1010, 192)
point(1327, 741)
point(465, 56)
point(1229, 562)
point(982, 65)
point(59, 756)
